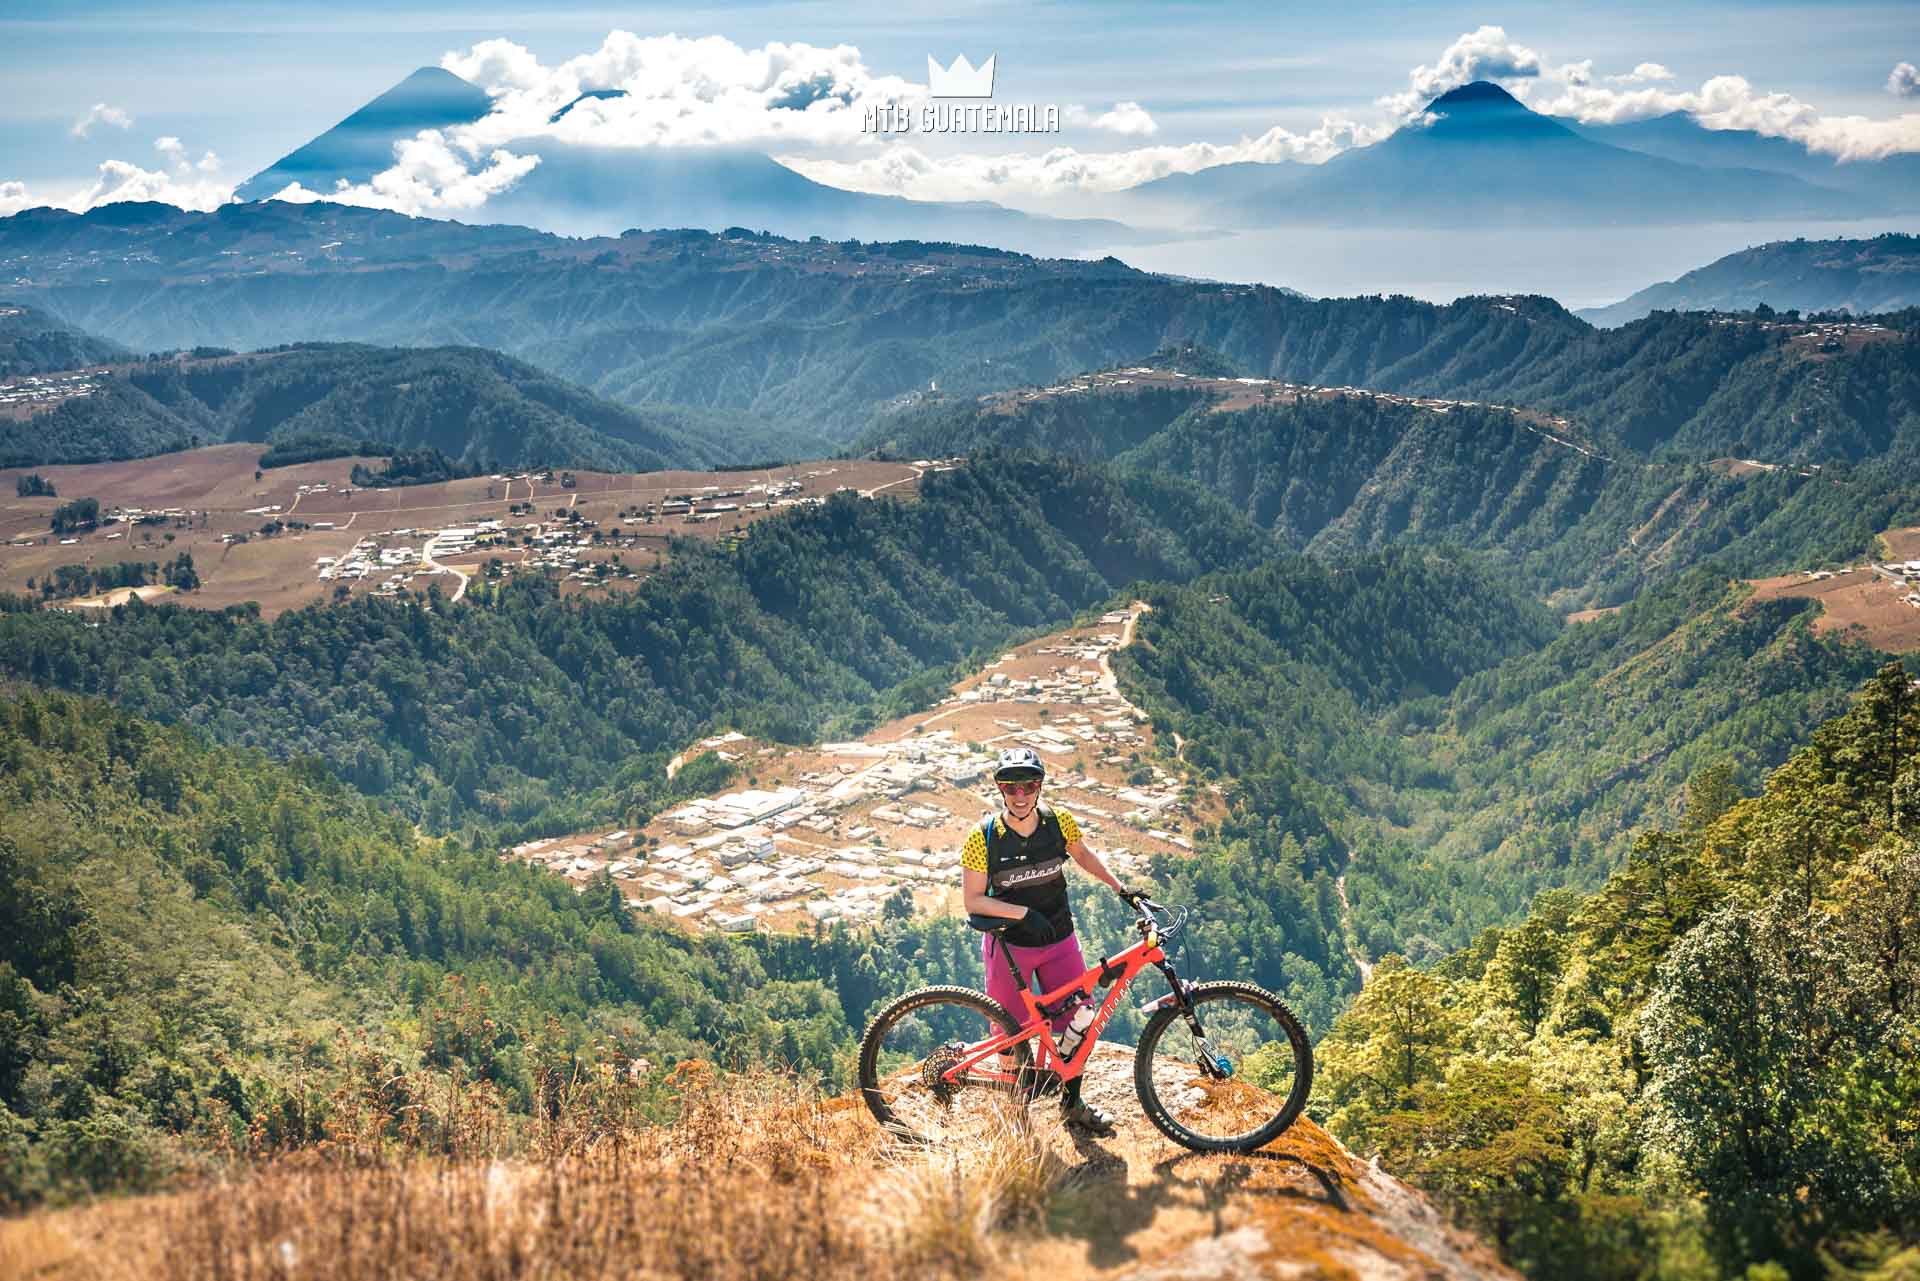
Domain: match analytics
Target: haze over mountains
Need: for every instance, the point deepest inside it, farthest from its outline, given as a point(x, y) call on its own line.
point(1477, 156)
point(1860, 276)
point(587, 191)
point(819, 337)
point(1484, 157)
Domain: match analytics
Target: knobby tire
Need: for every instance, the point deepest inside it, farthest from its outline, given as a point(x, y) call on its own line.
point(874, 1076)
point(1204, 994)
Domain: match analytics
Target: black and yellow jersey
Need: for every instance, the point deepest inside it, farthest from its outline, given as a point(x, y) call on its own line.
point(1028, 870)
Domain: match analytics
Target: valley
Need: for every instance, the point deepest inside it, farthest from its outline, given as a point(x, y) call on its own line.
point(532, 732)
point(844, 831)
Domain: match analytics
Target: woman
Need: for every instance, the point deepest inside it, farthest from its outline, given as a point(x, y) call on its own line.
point(1014, 867)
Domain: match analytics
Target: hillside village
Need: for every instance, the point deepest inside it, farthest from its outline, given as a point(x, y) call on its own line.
point(1229, 394)
point(566, 541)
point(288, 536)
point(838, 832)
point(28, 394)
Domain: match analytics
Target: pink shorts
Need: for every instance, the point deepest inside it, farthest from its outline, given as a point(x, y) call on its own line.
point(1054, 964)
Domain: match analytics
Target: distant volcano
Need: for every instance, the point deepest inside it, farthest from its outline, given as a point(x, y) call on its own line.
point(362, 145)
point(584, 190)
point(1480, 157)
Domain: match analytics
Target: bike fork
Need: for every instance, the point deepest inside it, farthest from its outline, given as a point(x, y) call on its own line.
point(1211, 1062)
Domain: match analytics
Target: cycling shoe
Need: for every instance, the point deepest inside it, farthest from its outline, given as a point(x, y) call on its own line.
point(1084, 1118)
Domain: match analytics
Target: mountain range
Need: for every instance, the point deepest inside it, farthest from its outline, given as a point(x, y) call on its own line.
point(1478, 156)
point(1859, 276)
point(581, 190)
point(477, 407)
point(820, 337)
point(1625, 497)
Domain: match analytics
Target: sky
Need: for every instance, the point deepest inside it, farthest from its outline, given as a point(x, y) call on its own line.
point(182, 101)
point(110, 100)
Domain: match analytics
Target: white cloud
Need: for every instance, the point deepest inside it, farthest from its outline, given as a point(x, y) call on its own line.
point(1483, 54)
point(176, 153)
point(1721, 102)
point(1642, 74)
point(903, 170)
point(1731, 102)
point(101, 114)
point(1904, 81)
point(1129, 118)
point(674, 92)
point(427, 177)
point(183, 183)
point(119, 180)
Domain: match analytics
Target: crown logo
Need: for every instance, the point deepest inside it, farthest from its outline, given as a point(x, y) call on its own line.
point(961, 80)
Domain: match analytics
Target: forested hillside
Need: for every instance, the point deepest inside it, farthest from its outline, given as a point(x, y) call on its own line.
point(32, 342)
point(822, 335)
point(522, 705)
point(1706, 1068)
point(1588, 523)
point(1860, 276)
point(1460, 792)
point(476, 407)
point(131, 1044)
point(122, 839)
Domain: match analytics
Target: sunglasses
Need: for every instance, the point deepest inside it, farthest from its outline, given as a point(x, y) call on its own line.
point(1019, 789)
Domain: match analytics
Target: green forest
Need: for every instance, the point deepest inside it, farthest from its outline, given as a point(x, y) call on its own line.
point(526, 709)
point(1486, 768)
point(1593, 523)
point(479, 408)
point(1638, 894)
point(1709, 1066)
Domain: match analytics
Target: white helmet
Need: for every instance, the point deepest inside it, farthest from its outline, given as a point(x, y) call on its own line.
point(1019, 762)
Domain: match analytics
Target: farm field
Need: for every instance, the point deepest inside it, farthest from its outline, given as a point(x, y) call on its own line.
point(1870, 599)
point(266, 536)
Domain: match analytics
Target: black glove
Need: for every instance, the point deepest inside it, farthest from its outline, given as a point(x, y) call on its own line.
point(1132, 895)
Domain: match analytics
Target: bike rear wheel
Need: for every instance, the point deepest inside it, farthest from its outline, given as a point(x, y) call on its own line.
point(907, 1046)
point(1236, 1106)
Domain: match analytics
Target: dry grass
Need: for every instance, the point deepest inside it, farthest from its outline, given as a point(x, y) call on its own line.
point(710, 1176)
point(940, 1209)
point(757, 1177)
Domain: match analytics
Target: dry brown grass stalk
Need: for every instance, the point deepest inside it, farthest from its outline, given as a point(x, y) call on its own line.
point(944, 1208)
point(745, 1184)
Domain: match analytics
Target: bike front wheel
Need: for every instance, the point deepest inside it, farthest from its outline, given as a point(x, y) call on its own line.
point(1236, 1083)
point(907, 1050)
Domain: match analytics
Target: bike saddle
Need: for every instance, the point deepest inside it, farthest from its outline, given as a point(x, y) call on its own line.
point(991, 924)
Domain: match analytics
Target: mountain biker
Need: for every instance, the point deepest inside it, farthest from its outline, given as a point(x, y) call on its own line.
point(1013, 866)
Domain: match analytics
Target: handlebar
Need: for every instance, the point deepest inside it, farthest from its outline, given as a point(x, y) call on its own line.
point(1159, 916)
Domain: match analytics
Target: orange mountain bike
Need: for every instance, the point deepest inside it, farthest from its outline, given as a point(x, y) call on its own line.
point(1220, 1066)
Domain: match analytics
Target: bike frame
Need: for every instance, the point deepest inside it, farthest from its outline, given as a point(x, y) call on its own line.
point(1119, 970)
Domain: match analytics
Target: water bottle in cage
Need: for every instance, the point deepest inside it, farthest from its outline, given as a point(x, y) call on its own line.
point(1076, 1029)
